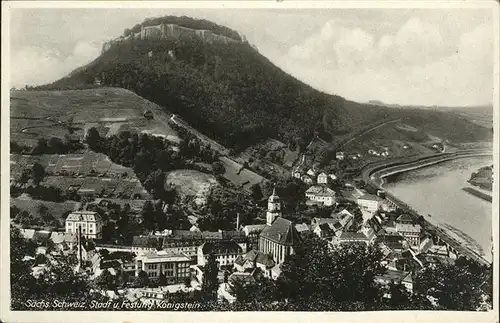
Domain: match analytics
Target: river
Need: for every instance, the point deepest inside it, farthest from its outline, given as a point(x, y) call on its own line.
point(437, 190)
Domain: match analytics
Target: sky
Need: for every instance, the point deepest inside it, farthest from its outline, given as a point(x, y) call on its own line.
point(399, 56)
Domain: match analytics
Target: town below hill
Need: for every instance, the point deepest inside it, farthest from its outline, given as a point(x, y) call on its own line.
point(174, 169)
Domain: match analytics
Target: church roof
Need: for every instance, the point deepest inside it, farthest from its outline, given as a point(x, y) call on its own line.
point(281, 231)
point(274, 197)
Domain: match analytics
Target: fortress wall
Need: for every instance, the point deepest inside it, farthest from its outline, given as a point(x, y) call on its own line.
point(163, 31)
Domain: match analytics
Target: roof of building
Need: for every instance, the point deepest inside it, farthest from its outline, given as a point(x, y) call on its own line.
point(276, 270)
point(319, 221)
point(147, 242)
point(369, 197)
point(320, 191)
point(70, 237)
point(57, 237)
point(220, 247)
point(206, 235)
point(326, 228)
point(257, 257)
point(88, 216)
point(245, 278)
point(404, 218)
point(342, 215)
point(323, 174)
point(301, 227)
point(163, 257)
point(402, 227)
point(353, 236)
point(254, 228)
point(397, 276)
point(281, 231)
point(27, 233)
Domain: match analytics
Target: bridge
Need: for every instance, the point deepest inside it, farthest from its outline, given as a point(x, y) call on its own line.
point(373, 175)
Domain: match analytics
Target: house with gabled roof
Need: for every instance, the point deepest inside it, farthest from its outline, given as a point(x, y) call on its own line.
point(397, 277)
point(405, 219)
point(321, 194)
point(255, 259)
point(322, 178)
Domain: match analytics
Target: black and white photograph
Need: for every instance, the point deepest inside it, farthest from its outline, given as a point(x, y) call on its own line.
point(249, 157)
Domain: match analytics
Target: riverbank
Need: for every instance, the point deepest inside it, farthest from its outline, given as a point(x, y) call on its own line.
point(437, 190)
point(479, 194)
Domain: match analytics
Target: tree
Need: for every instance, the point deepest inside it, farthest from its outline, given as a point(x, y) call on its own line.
point(218, 168)
point(210, 273)
point(25, 176)
point(344, 274)
point(93, 139)
point(56, 145)
point(187, 282)
point(14, 210)
point(106, 280)
point(456, 286)
point(162, 280)
point(142, 280)
point(256, 192)
point(37, 173)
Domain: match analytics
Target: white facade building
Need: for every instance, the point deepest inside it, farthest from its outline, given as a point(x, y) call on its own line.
point(90, 222)
point(370, 203)
point(322, 178)
point(321, 194)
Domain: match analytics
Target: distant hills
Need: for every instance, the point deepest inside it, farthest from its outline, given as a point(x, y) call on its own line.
point(235, 95)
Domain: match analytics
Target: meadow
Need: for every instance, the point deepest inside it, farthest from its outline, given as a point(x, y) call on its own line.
point(45, 114)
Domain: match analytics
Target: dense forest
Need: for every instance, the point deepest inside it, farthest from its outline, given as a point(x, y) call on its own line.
point(235, 95)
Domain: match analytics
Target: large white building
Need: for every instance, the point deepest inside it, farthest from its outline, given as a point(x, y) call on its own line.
point(370, 203)
point(175, 267)
point(90, 222)
point(321, 194)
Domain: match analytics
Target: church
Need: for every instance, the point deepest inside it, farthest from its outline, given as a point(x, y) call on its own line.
point(279, 237)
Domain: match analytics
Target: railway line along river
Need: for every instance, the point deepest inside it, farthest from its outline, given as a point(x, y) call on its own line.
point(438, 190)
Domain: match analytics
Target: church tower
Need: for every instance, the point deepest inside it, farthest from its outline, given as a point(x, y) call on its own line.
point(273, 208)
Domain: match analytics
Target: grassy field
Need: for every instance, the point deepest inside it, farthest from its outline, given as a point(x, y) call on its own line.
point(241, 178)
point(71, 164)
point(58, 210)
point(394, 137)
point(36, 114)
point(191, 182)
point(74, 171)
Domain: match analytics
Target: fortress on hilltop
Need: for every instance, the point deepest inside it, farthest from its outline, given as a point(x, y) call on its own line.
point(171, 31)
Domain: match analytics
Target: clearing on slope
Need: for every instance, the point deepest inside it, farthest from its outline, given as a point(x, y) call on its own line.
point(45, 114)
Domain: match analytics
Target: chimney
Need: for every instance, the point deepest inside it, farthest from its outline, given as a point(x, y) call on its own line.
point(79, 246)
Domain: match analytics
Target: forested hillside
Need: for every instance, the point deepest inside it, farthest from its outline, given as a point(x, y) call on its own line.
point(237, 96)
